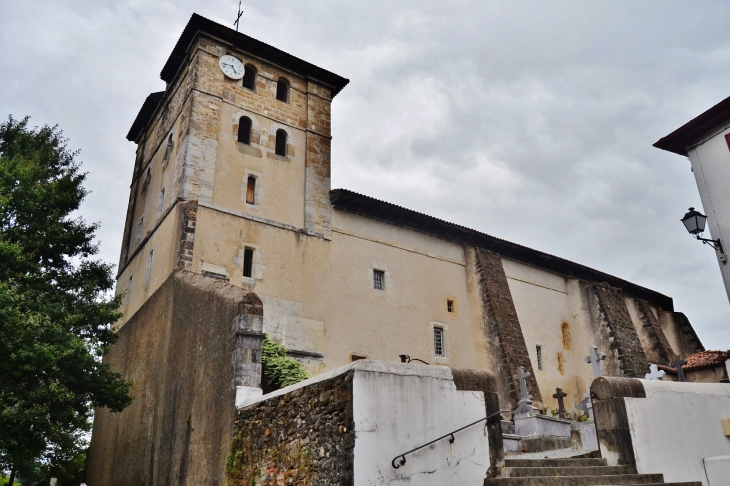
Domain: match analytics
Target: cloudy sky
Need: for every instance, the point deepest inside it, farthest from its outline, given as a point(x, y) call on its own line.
point(531, 121)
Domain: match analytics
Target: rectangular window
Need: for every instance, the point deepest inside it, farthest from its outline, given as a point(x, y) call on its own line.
point(251, 190)
point(378, 280)
point(450, 305)
point(161, 203)
point(148, 270)
point(538, 349)
point(129, 290)
point(248, 262)
point(438, 341)
point(357, 357)
point(140, 227)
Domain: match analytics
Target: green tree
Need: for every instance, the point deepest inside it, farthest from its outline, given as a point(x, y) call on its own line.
point(277, 369)
point(56, 307)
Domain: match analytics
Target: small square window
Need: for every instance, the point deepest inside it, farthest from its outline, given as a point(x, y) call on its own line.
point(248, 262)
point(538, 349)
point(450, 305)
point(438, 341)
point(378, 280)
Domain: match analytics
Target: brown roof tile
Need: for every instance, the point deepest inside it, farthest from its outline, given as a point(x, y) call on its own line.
point(697, 361)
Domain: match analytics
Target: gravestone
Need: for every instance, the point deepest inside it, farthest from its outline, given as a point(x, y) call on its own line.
point(654, 373)
point(525, 404)
point(594, 358)
point(560, 395)
point(587, 405)
point(677, 365)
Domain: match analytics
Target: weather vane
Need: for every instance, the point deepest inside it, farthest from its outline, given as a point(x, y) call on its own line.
point(238, 19)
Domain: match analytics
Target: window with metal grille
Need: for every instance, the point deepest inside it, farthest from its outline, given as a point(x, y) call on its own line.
point(450, 306)
point(251, 190)
point(249, 77)
point(282, 90)
point(148, 270)
point(378, 280)
point(538, 349)
point(244, 130)
point(248, 262)
point(281, 142)
point(438, 341)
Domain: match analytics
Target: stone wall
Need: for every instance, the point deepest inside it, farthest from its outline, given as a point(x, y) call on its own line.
point(183, 351)
point(659, 351)
point(504, 334)
point(611, 316)
point(303, 437)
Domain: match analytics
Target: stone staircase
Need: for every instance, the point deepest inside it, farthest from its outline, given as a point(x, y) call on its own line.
point(585, 471)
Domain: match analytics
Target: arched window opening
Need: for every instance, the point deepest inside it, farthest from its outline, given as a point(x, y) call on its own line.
point(249, 77)
point(281, 142)
point(565, 328)
point(168, 149)
point(282, 90)
point(244, 130)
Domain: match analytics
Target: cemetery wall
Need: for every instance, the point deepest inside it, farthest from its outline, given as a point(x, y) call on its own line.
point(346, 426)
point(179, 351)
point(664, 427)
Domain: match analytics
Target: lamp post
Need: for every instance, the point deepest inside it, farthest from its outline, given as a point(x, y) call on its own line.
point(695, 221)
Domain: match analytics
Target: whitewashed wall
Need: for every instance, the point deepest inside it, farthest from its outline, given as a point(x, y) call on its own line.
point(398, 407)
point(676, 431)
point(711, 167)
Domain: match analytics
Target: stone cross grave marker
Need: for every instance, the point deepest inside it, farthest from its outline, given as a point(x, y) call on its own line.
point(560, 394)
point(588, 403)
point(654, 373)
point(677, 365)
point(525, 404)
point(595, 359)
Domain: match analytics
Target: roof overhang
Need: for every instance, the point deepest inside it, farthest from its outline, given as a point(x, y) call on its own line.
point(684, 136)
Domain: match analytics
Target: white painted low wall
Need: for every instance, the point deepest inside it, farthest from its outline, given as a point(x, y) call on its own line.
point(676, 431)
point(397, 407)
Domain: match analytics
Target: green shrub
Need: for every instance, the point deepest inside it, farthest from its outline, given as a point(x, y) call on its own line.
point(279, 370)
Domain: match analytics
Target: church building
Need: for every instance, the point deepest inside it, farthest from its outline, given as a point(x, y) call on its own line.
point(231, 193)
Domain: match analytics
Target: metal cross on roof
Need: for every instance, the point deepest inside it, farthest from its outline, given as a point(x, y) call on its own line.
point(595, 359)
point(522, 377)
point(677, 365)
point(238, 18)
point(560, 394)
point(654, 373)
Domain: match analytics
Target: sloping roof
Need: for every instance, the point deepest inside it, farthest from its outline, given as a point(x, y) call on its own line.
point(352, 202)
point(145, 113)
point(198, 24)
point(698, 361)
point(679, 139)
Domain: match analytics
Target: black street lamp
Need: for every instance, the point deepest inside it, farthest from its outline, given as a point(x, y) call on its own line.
point(694, 221)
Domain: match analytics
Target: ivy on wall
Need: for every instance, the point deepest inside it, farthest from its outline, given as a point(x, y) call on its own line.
point(279, 370)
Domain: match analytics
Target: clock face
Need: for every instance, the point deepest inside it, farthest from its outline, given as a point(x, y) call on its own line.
point(231, 67)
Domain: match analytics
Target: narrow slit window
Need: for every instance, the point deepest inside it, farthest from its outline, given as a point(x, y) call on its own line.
point(248, 262)
point(378, 280)
point(249, 77)
point(161, 203)
point(282, 90)
point(357, 357)
point(148, 270)
point(244, 130)
point(140, 227)
point(538, 350)
point(251, 190)
point(450, 305)
point(168, 149)
point(281, 142)
point(146, 180)
point(129, 289)
point(438, 341)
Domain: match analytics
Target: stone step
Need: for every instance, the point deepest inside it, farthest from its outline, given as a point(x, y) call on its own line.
point(568, 462)
point(612, 480)
point(522, 472)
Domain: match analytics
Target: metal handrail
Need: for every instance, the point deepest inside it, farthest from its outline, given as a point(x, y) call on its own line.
point(451, 440)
